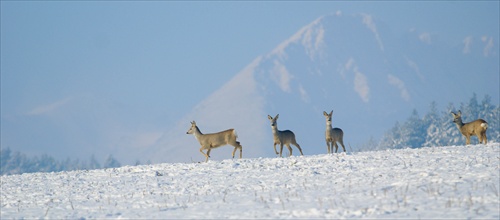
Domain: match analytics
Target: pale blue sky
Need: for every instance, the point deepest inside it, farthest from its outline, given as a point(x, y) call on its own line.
point(144, 64)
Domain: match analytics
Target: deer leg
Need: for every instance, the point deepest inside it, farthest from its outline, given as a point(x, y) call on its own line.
point(289, 150)
point(206, 156)
point(300, 149)
point(234, 151)
point(342, 143)
point(328, 147)
point(467, 140)
point(485, 138)
point(237, 145)
point(336, 146)
point(281, 149)
point(241, 151)
point(482, 137)
point(208, 152)
point(275, 149)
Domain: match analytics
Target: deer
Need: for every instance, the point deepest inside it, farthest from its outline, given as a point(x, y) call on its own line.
point(285, 137)
point(214, 140)
point(474, 128)
point(333, 135)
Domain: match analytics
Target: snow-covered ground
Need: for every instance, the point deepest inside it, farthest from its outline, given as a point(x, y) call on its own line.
point(437, 182)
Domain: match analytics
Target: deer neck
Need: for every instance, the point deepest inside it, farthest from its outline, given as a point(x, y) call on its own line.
point(459, 124)
point(275, 129)
point(329, 126)
point(197, 133)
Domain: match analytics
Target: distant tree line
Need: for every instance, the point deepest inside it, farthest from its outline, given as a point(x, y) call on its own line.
point(436, 128)
point(14, 162)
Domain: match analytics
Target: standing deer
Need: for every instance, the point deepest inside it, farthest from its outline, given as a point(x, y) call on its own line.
point(285, 137)
point(473, 128)
point(211, 141)
point(333, 135)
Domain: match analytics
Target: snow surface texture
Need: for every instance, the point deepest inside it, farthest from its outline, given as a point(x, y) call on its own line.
point(435, 182)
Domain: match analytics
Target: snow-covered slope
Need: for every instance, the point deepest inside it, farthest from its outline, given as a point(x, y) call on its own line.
point(436, 182)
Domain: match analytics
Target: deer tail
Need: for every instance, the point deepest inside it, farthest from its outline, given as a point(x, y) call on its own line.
point(484, 125)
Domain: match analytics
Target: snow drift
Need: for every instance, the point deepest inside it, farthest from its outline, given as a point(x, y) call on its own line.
point(432, 182)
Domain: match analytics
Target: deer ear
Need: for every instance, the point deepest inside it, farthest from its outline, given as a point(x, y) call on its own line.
point(325, 114)
point(270, 118)
point(193, 123)
point(277, 116)
point(453, 114)
point(331, 113)
point(459, 113)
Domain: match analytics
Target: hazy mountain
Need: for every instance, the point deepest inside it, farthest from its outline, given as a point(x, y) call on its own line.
point(352, 64)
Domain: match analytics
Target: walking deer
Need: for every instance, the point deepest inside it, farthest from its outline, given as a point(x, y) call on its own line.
point(211, 141)
point(333, 135)
point(473, 128)
point(285, 137)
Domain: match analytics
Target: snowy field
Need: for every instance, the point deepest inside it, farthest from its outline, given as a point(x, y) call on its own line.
point(438, 182)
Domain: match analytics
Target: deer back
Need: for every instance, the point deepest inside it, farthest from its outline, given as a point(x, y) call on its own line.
point(284, 137)
point(474, 127)
point(218, 139)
